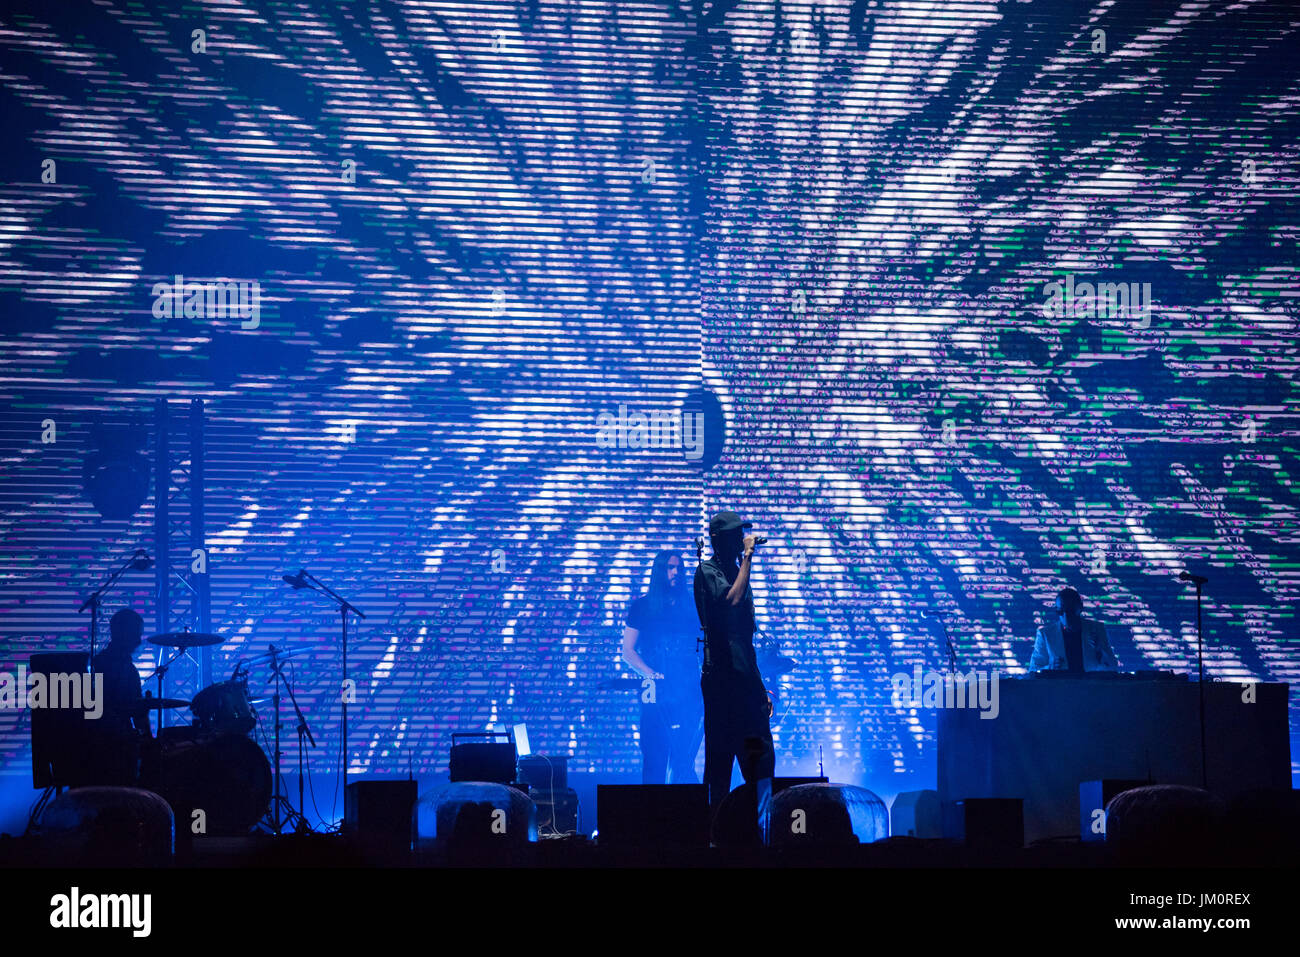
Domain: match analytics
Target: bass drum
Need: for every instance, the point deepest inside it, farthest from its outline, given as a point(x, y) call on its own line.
point(226, 776)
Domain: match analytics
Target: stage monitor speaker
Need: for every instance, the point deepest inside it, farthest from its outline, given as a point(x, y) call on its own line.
point(986, 823)
point(736, 823)
point(645, 815)
point(491, 762)
point(1170, 825)
point(107, 827)
point(916, 814)
point(381, 813)
point(1094, 796)
point(827, 816)
point(62, 739)
point(474, 816)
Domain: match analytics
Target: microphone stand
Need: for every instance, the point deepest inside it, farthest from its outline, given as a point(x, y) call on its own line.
point(1200, 681)
point(700, 643)
point(95, 600)
point(1198, 581)
point(277, 826)
point(952, 652)
point(304, 732)
point(345, 607)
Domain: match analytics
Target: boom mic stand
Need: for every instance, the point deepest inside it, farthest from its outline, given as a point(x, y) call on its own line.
point(344, 607)
point(140, 561)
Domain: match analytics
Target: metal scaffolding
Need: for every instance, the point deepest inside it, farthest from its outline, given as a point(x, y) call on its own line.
point(187, 608)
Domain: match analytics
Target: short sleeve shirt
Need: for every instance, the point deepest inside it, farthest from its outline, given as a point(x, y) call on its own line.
point(667, 636)
point(729, 629)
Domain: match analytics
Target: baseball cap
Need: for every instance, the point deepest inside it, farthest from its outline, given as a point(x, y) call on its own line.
point(726, 522)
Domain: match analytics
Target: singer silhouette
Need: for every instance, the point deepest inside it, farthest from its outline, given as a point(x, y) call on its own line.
point(737, 707)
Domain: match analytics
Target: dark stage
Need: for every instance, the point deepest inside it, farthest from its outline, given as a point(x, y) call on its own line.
point(827, 463)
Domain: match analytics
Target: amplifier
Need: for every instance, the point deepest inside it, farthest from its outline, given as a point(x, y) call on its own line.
point(491, 761)
point(543, 773)
point(62, 738)
point(556, 810)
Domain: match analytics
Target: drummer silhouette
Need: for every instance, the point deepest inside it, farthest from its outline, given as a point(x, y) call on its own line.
point(124, 723)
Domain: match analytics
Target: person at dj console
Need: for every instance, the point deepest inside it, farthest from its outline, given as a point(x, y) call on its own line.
point(1071, 642)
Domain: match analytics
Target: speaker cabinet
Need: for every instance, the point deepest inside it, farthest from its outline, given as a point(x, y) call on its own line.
point(544, 773)
point(647, 815)
point(916, 814)
point(381, 813)
point(63, 741)
point(987, 823)
point(556, 810)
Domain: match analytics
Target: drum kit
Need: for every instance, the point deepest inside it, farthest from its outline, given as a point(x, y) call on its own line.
point(213, 769)
point(214, 765)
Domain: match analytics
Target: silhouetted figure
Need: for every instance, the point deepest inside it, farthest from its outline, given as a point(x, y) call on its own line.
point(1072, 642)
point(737, 708)
point(659, 642)
point(124, 723)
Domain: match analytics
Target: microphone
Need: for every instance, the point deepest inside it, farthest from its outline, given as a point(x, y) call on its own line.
point(141, 561)
point(298, 581)
point(1194, 579)
point(760, 540)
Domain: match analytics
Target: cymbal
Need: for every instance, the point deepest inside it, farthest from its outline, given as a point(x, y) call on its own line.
point(150, 703)
point(266, 655)
point(184, 639)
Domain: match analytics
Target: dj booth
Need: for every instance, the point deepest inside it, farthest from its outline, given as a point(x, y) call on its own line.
point(1054, 731)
